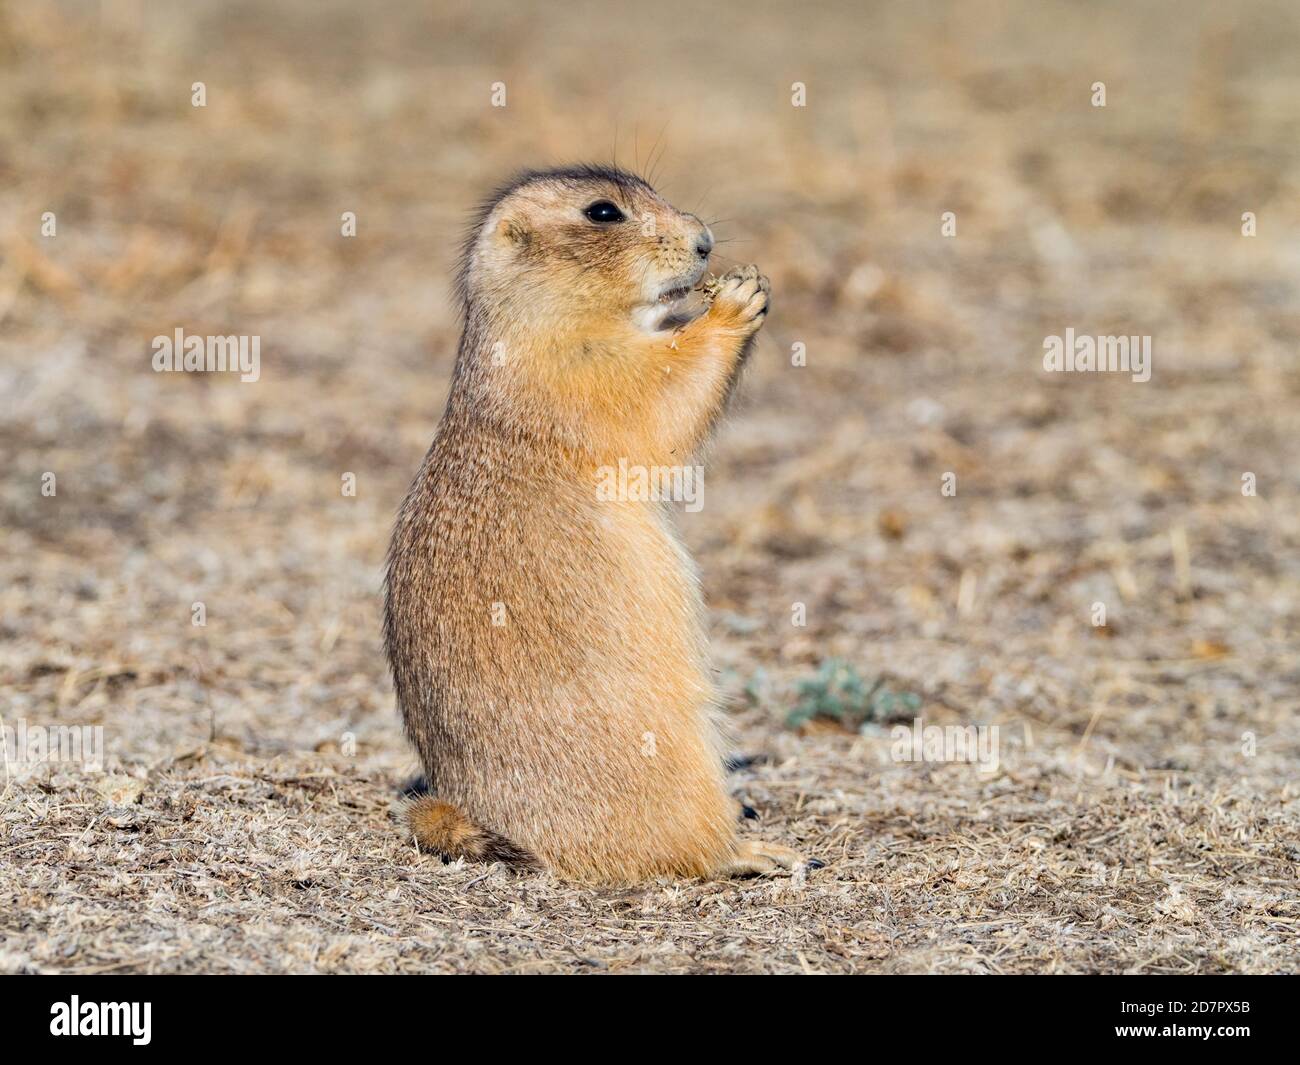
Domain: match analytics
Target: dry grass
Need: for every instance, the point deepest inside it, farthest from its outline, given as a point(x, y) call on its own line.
point(1125, 830)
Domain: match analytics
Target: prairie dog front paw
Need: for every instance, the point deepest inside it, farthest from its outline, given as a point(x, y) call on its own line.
point(740, 298)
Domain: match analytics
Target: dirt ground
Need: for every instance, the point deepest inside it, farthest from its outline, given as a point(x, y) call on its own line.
point(1143, 815)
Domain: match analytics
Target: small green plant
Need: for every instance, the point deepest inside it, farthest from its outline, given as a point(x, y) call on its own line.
point(839, 693)
point(757, 687)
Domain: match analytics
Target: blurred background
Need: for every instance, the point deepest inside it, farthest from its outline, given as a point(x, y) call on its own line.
point(267, 737)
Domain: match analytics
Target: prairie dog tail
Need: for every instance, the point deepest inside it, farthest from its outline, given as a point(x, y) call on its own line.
point(444, 830)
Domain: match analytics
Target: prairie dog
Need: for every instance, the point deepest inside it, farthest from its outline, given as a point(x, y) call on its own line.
point(547, 645)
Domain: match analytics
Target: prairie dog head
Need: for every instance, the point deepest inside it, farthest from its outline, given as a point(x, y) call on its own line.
point(586, 248)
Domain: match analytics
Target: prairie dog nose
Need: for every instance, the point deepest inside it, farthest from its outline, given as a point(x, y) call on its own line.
point(704, 243)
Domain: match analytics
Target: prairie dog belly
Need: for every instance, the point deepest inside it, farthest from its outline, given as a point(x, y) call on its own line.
point(565, 655)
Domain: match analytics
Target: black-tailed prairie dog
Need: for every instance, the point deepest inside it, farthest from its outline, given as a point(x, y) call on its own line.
point(547, 640)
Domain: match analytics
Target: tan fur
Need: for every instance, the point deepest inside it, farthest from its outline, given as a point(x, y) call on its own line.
point(581, 729)
point(443, 829)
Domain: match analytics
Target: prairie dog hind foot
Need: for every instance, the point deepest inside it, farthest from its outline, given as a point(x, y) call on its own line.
point(756, 857)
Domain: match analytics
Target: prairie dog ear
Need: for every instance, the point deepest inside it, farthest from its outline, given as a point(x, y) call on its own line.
point(512, 231)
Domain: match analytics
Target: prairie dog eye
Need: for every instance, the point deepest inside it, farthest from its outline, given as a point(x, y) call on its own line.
point(604, 211)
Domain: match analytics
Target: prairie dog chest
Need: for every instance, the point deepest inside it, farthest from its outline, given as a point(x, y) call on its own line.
point(659, 577)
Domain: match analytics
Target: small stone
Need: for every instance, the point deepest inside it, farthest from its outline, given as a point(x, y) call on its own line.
point(120, 790)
